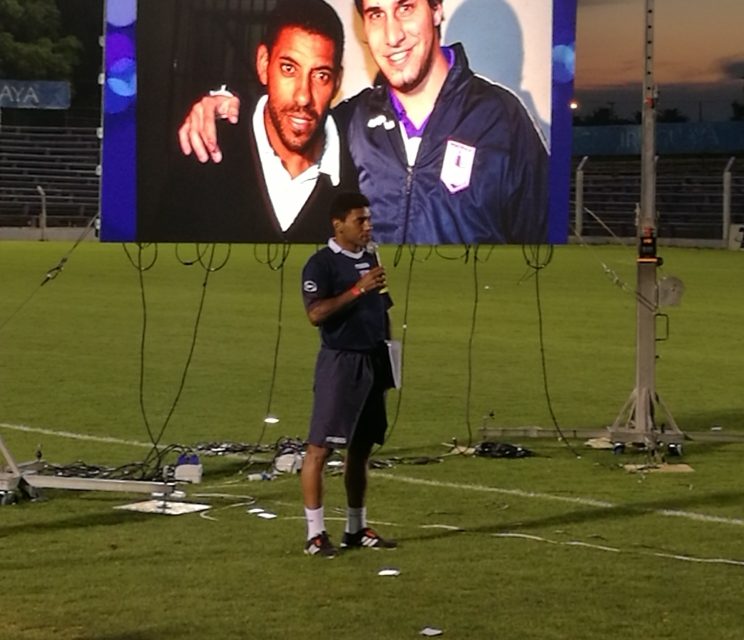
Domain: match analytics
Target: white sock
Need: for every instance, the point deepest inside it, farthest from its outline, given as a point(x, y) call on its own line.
point(315, 522)
point(356, 519)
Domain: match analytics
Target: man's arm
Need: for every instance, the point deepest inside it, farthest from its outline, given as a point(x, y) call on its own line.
point(198, 131)
point(320, 310)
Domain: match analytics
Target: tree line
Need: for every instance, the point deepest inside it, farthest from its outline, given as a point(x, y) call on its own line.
point(54, 40)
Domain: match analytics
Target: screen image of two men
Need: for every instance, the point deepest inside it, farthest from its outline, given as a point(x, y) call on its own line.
point(243, 134)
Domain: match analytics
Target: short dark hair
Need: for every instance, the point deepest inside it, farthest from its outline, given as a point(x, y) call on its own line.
point(313, 16)
point(345, 201)
point(360, 4)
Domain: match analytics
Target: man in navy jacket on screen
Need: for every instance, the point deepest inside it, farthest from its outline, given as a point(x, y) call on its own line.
point(444, 156)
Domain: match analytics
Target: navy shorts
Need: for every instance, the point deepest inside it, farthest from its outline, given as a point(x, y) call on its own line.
point(349, 398)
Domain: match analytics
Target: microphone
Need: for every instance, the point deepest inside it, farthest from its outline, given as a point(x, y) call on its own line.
point(372, 248)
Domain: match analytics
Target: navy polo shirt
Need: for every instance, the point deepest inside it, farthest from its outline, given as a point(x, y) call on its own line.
point(361, 325)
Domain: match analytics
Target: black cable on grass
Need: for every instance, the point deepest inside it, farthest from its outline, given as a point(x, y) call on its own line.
point(202, 250)
point(137, 264)
point(56, 270)
point(189, 263)
point(277, 342)
point(389, 463)
point(464, 255)
point(129, 471)
point(471, 337)
point(537, 261)
point(211, 266)
point(155, 453)
point(477, 257)
point(20, 307)
point(198, 257)
point(276, 255)
point(612, 274)
point(403, 334)
point(398, 254)
point(412, 249)
point(53, 272)
point(280, 312)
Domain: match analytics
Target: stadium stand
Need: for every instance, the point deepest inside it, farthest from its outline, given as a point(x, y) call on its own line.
point(689, 196)
point(62, 161)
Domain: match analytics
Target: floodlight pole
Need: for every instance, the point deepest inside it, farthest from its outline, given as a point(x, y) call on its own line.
point(636, 421)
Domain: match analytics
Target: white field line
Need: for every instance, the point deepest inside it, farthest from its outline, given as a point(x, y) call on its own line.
point(585, 502)
point(519, 493)
point(84, 436)
point(72, 435)
point(598, 547)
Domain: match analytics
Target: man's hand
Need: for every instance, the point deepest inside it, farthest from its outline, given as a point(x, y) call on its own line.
point(374, 279)
point(320, 310)
point(198, 132)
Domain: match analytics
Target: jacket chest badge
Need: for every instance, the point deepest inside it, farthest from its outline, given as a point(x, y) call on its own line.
point(457, 166)
point(380, 120)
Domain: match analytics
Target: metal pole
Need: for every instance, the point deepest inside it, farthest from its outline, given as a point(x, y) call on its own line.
point(727, 200)
point(579, 208)
point(646, 272)
point(43, 215)
point(636, 420)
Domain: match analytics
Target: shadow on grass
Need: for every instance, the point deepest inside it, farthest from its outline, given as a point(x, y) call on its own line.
point(145, 634)
point(730, 420)
point(96, 519)
point(594, 514)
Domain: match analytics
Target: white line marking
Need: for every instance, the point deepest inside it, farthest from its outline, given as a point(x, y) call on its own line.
point(706, 560)
point(74, 436)
point(598, 547)
point(700, 517)
point(523, 536)
point(228, 496)
point(510, 492)
point(586, 502)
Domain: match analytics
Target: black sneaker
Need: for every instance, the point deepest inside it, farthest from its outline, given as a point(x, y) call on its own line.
point(366, 537)
point(321, 545)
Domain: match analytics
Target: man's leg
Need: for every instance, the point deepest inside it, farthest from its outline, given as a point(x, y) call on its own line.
point(311, 478)
point(312, 475)
point(355, 473)
point(357, 533)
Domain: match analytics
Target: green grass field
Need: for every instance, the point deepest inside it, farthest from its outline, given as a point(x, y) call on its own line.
point(551, 546)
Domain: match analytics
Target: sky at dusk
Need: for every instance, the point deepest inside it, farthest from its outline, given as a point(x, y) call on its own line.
point(698, 55)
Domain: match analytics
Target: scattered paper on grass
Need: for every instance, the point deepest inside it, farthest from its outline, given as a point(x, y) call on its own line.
point(456, 449)
point(388, 571)
point(658, 468)
point(266, 515)
point(164, 508)
point(255, 510)
point(431, 631)
point(599, 443)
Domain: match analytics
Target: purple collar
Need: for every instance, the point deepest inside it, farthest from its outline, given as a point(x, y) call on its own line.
point(412, 131)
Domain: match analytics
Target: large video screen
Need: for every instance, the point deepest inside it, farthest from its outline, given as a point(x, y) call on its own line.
point(452, 117)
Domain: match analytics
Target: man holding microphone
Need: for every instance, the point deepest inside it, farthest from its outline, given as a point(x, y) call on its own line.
point(344, 292)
